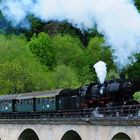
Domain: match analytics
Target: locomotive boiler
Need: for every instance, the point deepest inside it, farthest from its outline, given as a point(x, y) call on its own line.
point(115, 92)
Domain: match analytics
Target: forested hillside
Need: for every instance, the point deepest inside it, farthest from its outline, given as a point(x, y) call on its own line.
point(53, 55)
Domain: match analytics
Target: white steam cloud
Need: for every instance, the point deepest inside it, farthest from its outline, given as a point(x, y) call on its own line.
point(117, 20)
point(101, 71)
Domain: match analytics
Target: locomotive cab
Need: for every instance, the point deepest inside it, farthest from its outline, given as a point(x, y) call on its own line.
point(97, 91)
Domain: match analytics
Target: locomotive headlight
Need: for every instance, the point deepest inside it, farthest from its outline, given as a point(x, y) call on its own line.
point(129, 85)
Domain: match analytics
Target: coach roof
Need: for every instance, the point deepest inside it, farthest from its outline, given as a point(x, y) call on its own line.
point(49, 93)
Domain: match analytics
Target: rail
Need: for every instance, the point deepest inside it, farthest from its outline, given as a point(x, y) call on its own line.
point(99, 112)
point(119, 111)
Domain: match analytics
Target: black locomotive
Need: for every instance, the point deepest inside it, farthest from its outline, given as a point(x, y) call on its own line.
point(111, 93)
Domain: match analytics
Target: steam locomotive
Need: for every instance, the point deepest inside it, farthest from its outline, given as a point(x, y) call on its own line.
point(115, 92)
point(110, 93)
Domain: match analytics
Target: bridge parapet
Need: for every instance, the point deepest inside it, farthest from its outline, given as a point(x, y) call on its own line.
point(128, 115)
point(107, 121)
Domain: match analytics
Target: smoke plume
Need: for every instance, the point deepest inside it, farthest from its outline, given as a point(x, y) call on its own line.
point(101, 71)
point(117, 20)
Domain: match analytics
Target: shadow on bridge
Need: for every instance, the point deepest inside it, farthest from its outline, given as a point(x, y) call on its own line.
point(28, 134)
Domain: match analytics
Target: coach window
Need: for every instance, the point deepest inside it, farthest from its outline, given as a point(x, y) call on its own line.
point(46, 100)
point(38, 100)
point(43, 100)
point(5, 102)
point(20, 102)
point(10, 102)
point(52, 99)
point(28, 101)
point(24, 101)
point(31, 101)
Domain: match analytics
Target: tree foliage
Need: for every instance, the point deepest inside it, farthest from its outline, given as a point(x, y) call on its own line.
point(68, 50)
point(97, 51)
point(136, 96)
point(137, 3)
point(59, 61)
point(65, 77)
point(42, 47)
point(71, 52)
point(19, 70)
point(133, 70)
point(14, 78)
point(53, 55)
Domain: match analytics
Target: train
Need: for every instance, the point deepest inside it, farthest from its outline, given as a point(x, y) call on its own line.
point(111, 93)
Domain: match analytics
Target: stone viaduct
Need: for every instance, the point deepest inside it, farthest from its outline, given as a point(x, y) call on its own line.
point(70, 129)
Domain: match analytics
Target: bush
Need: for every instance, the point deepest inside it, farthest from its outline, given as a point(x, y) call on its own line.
point(136, 96)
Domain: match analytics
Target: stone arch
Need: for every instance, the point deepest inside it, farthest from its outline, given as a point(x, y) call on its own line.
point(71, 135)
point(28, 134)
point(121, 136)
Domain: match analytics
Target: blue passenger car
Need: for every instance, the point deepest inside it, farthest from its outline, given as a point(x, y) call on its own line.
point(24, 105)
point(45, 104)
point(6, 103)
point(29, 102)
point(46, 101)
point(36, 101)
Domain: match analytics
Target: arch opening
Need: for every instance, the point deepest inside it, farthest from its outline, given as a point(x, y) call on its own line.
point(71, 135)
point(28, 134)
point(121, 136)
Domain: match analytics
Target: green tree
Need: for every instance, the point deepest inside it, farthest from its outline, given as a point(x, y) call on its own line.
point(14, 78)
point(65, 77)
point(19, 70)
point(97, 51)
point(41, 46)
point(112, 74)
point(70, 52)
point(133, 70)
point(136, 96)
